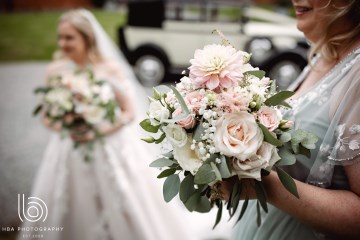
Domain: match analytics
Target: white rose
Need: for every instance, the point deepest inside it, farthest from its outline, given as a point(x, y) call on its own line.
point(94, 114)
point(61, 97)
point(265, 158)
point(269, 117)
point(238, 135)
point(188, 159)
point(176, 135)
point(81, 85)
point(106, 93)
point(158, 113)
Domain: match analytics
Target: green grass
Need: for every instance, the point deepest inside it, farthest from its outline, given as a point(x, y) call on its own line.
point(32, 36)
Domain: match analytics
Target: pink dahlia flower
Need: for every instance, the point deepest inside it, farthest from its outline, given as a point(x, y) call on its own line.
point(217, 66)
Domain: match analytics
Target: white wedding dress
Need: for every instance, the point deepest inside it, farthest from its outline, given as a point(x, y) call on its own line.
point(113, 196)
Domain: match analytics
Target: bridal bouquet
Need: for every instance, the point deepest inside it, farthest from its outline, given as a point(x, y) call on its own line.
point(223, 120)
point(78, 101)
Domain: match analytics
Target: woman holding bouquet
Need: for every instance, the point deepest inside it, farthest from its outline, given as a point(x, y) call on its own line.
point(110, 196)
point(326, 103)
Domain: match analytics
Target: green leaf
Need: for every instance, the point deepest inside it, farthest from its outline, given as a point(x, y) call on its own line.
point(181, 101)
point(224, 168)
point(216, 171)
point(203, 205)
point(258, 219)
point(258, 73)
point(162, 89)
point(285, 137)
point(243, 208)
point(199, 130)
point(161, 138)
point(37, 109)
point(298, 136)
point(304, 151)
point(146, 125)
point(279, 98)
point(287, 181)
point(192, 203)
point(166, 173)
point(261, 195)
point(171, 187)
point(161, 162)
point(235, 197)
point(157, 94)
point(186, 188)
point(268, 137)
point(205, 175)
point(287, 158)
point(169, 154)
point(41, 90)
point(219, 214)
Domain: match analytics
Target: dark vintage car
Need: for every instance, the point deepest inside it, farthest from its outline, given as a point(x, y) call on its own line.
point(160, 37)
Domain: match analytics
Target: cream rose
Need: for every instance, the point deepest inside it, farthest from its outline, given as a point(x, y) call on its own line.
point(269, 117)
point(176, 135)
point(238, 135)
point(158, 113)
point(94, 114)
point(265, 157)
point(188, 159)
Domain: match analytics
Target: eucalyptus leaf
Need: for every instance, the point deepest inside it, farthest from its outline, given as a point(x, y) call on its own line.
point(243, 208)
point(285, 137)
point(304, 151)
point(287, 181)
point(199, 130)
point(205, 175)
point(278, 98)
point(147, 126)
point(216, 171)
point(224, 168)
point(257, 73)
point(171, 187)
point(162, 89)
point(166, 173)
point(298, 136)
point(161, 162)
point(287, 157)
point(268, 137)
point(192, 203)
point(186, 188)
point(181, 101)
point(258, 219)
point(219, 214)
point(203, 205)
point(261, 195)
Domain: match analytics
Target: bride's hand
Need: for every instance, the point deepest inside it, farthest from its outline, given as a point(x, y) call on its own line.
point(82, 137)
point(57, 126)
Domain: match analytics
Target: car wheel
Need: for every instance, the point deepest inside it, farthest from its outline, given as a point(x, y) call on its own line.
point(285, 72)
point(150, 70)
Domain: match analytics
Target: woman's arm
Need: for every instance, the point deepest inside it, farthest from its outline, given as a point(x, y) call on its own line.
point(336, 212)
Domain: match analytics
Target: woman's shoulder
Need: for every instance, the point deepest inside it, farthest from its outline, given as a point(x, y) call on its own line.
point(111, 66)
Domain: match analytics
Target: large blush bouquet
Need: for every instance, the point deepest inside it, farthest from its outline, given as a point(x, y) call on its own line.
point(222, 121)
point(79, 102)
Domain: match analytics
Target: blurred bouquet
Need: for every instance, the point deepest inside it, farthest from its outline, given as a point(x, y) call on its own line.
point(78, 102)
point(222, 121)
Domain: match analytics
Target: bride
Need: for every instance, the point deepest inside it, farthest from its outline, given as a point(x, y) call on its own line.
point(112, 196)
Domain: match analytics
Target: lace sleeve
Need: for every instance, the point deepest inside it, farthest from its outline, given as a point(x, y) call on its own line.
point(345, 112)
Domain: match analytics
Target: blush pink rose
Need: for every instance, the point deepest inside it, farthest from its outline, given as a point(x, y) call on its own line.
point(269, 117)
point(231, 102)
point(186, 123)
point(193, 99)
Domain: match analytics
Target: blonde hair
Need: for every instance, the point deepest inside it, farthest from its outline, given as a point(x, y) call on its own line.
point(328, 44)
point(83, 26)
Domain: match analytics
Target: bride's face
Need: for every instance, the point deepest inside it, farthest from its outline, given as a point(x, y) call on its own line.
point(71, 42)
point(313, 16)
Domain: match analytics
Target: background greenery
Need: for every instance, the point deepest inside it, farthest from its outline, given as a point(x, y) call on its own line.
point(32, 36)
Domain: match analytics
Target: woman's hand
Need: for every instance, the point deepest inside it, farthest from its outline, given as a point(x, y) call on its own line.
point(56, 126)
point(224, 188)
point(82, 137)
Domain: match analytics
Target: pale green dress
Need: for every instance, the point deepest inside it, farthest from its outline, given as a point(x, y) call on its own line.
point(331, 110)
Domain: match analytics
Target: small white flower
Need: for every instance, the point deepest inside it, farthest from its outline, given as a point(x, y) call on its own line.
point(94, 114)
point(158, 113)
